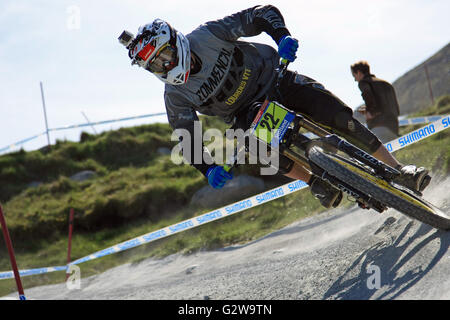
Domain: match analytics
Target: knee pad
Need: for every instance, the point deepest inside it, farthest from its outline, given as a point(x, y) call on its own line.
point(356, 133)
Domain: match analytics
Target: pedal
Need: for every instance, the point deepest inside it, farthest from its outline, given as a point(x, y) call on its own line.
point(375, 205)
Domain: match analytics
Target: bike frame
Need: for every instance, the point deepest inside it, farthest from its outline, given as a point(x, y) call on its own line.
point(304, 143)
point(294, 137)
point(386, 172)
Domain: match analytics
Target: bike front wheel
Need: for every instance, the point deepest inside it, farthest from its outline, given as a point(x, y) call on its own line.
point(390, 194)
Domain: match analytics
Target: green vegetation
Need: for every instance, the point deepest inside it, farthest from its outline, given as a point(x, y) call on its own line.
point(237, 229)
point(135, 191)
point(413, 88)
point(433, 152)
point(441, 106)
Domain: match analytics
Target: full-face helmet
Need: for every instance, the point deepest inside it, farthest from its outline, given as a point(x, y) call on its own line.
point(160, 49)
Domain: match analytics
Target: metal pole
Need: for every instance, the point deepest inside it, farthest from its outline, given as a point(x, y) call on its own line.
point(429, 84)
point(45, 114)
point(69, 246)
point(89, 122)
point(11, 255)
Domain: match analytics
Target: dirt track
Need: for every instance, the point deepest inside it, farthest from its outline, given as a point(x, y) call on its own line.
point(335, 255)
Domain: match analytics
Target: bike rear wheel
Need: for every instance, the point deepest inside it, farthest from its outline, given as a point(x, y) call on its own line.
point(391, 195)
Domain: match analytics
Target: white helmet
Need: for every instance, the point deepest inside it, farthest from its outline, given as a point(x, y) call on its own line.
point(162, 50)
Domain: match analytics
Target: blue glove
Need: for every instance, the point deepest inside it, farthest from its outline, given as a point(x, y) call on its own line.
point(217, 176)
point(287, 47)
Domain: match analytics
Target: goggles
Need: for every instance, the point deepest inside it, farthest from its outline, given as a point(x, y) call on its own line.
point(164, 60)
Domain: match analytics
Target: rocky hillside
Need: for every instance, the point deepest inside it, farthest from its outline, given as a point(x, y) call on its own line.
point(412, 88)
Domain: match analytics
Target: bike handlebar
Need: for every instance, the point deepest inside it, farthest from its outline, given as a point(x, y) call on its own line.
point(282, 69)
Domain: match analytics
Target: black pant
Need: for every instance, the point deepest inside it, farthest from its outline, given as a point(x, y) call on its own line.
point(306, 96)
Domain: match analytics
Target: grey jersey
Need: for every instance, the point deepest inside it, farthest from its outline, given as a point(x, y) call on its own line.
point(233, 73)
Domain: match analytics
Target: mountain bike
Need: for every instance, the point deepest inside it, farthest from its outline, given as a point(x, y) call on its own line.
point(366, 180)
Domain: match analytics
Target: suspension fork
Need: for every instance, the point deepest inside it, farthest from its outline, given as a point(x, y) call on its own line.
point(380, 168)
point(360, 197)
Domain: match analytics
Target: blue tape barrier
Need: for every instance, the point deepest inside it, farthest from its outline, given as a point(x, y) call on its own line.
point(12, 146)
point(419, 134)
point(231, 209)
point(403, 122)
point(217, 214)
point(420, 120)
point(30, 272)
point(175, 228)
point(19, 143)
point(107, 121)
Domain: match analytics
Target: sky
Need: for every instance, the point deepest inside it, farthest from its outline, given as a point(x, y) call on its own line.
point(72, 48)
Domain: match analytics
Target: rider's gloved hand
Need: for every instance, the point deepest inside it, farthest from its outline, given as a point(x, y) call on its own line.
point(287, 47)
point(217, 176)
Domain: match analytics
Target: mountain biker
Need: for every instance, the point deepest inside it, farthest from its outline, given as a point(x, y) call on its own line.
point(205, 70)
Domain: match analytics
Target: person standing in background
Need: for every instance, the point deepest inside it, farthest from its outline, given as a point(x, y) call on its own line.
point(381, 108)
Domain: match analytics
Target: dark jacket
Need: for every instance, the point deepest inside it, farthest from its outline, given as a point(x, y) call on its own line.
point(233, 74)
point(381, 101)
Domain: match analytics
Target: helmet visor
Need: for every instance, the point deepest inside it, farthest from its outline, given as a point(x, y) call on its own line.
point(164, 60)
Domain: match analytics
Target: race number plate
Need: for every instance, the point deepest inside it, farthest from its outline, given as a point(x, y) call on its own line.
point(271, 123)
